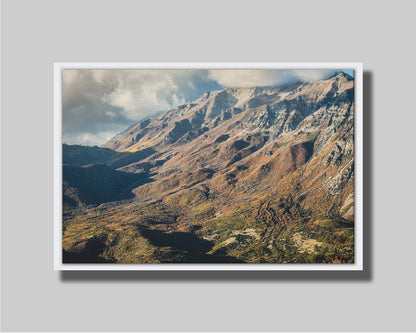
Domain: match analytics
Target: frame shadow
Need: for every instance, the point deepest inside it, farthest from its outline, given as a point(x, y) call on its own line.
point(245, 276)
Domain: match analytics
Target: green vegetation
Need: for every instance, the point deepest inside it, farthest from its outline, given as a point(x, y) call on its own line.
point(268, 180)
point(273, 229)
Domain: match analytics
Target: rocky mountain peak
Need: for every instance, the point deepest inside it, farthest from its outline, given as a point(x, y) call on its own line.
point(240, 174)
point(279, 109)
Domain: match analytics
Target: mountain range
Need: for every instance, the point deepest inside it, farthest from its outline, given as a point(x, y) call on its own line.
point(261, 174)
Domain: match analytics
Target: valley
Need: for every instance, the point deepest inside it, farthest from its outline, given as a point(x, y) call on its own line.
point(240, 175)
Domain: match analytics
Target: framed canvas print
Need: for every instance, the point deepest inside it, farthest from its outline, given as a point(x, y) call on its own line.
point(208, 166)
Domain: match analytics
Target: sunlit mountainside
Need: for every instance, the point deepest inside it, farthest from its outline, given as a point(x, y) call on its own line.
point(255, 175)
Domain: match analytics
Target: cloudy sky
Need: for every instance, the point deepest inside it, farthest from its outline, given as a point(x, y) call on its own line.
point(98, 104)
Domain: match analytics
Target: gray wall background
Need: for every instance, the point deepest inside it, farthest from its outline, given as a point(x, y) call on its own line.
point(37, 33)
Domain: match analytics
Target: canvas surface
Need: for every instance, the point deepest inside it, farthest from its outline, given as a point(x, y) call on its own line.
point(212, 166)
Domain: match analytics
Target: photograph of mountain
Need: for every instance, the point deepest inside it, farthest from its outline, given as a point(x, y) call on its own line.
point(208, 166)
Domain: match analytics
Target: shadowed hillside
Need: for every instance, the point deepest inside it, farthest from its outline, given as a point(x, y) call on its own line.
point(97, 183)
point(79, 155)
point(262, 174)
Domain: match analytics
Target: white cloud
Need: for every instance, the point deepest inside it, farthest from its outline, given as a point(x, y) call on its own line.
point(140, 92)
point(97, 104)
point(312, 75)
point(265, 77)
point(112, 115)
point(96, 101)
point(247, 78)
point(89, 139)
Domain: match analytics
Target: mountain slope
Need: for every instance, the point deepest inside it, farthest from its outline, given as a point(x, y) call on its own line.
point(96, 183)
point(79, 155)
point(263, 174)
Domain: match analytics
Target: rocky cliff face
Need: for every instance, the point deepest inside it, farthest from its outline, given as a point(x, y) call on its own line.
point(276, 163)
point(249, 125)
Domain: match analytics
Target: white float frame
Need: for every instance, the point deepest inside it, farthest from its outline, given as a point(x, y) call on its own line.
point(358, 171)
